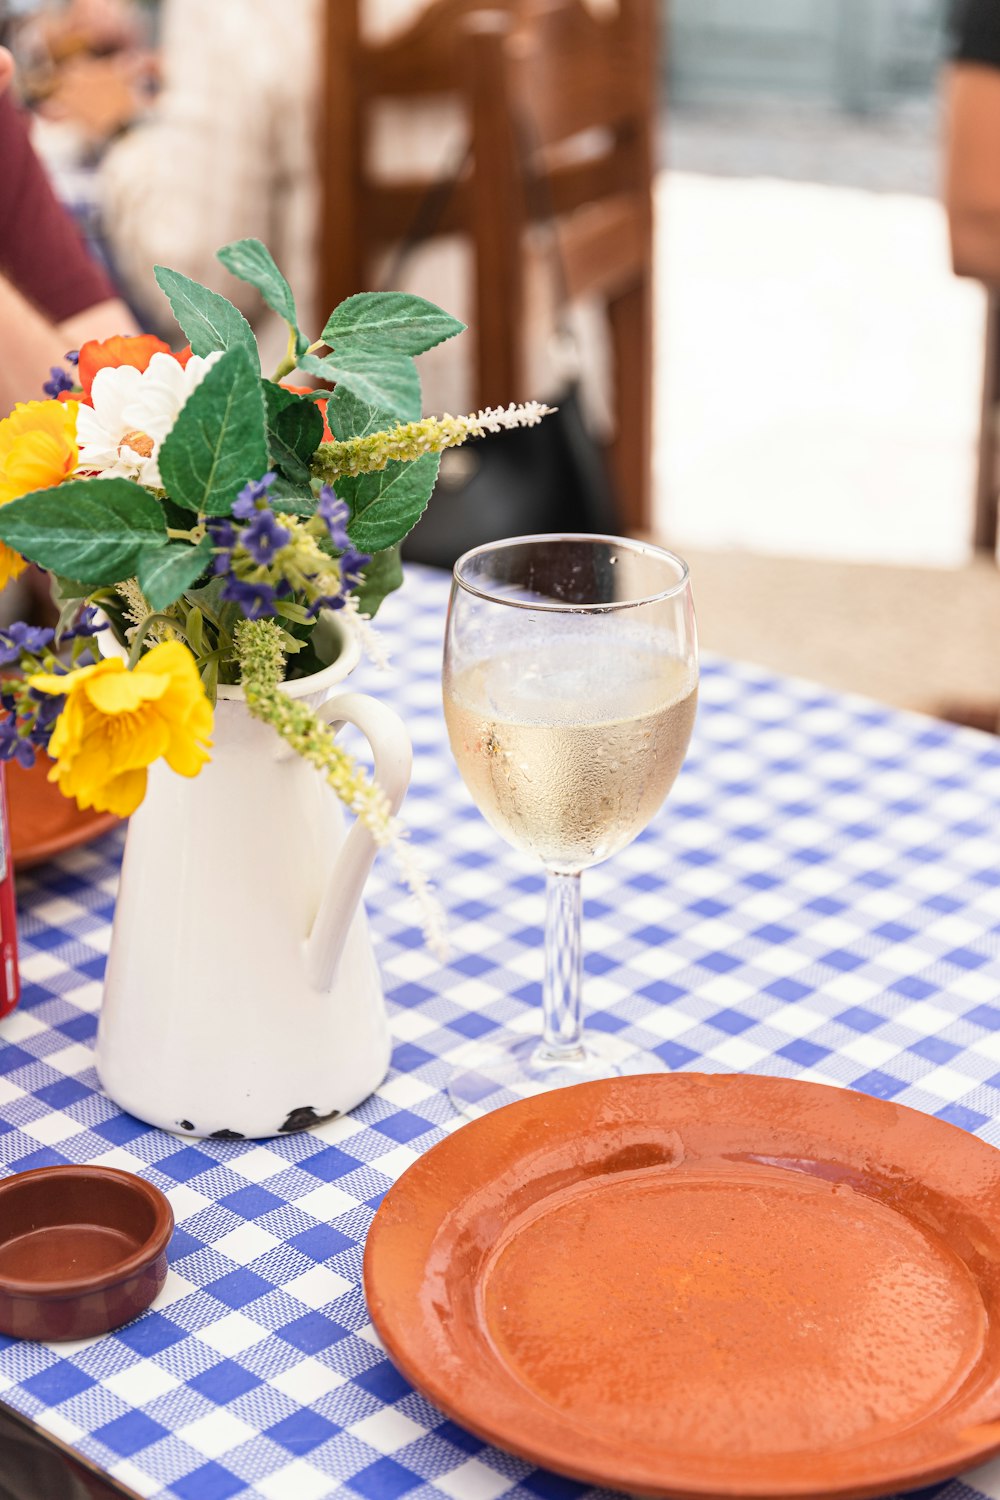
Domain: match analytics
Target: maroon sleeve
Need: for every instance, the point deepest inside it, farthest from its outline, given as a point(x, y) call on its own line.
point(41, 250)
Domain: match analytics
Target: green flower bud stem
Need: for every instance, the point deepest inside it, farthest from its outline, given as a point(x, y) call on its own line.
point(261, 656)
point(287, 365)
point(411, 440)
point(168, 622)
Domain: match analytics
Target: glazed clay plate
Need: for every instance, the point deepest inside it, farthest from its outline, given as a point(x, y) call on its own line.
point(44, 823)
point(703, 1286)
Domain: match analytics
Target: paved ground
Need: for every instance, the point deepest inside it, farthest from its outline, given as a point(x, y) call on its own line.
point(818, 369)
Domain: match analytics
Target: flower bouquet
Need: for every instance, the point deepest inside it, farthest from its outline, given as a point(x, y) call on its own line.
point(226, 538)
point(208, 516)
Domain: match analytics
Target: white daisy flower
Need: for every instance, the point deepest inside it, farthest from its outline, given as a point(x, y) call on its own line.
point(133, 410)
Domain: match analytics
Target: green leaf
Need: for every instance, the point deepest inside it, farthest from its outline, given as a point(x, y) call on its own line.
point(291, 498)
point(208, 598)
point(67, 590)
point(381, 321)
point(210, 678)
point(252, 262)
point(209, 321)
point(294, 430)
point(299, 431)
point(219, 440)
point(388, 381)
point(386, 505)
point(91, 530)
point(349, 416)
point(165, 572)
point(194, 629)
point(176, 516)
point(383, 574)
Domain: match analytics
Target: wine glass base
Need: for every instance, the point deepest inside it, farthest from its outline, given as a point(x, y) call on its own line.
point(488, 1077)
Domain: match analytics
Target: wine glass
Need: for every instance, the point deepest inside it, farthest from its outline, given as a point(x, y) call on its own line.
point(570, 686)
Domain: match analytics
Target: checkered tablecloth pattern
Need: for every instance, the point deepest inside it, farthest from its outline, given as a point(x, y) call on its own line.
point(820, 898)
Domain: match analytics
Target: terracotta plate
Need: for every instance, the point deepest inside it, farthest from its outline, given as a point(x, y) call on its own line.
point(704, 1286)
point(44, 823)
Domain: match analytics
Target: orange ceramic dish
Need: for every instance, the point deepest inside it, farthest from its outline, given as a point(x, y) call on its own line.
point(697, 1286)
point(82, 1250)
point(44, 823)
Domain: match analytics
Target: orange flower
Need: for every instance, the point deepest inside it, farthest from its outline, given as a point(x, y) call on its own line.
point(99, 354)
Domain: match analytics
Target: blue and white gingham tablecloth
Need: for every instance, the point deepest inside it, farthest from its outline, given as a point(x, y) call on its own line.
point(820, 898)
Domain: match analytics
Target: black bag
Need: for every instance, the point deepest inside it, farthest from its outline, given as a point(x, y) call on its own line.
point(517, 482)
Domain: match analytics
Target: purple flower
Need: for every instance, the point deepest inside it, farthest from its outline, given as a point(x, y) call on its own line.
point(264, 537)
point(85, 625)
point(254, 599)
point(223, 533)
point(252, 496)
point(48, 709)
point(18, 638)
point(60, 381)
point(72, 356)
point(352, 565)
point(325, 601)
point(14, 746)
point(336, 513)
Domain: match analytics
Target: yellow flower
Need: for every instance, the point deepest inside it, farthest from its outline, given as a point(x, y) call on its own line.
point(37, 450)
point(115, 723)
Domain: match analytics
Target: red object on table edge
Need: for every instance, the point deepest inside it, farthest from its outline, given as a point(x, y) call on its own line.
point(10, 981)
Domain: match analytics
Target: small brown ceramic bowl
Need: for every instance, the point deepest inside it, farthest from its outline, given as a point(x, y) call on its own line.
point(82, 1250)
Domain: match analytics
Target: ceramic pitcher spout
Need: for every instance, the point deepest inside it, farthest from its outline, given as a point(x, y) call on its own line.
point(393, 758)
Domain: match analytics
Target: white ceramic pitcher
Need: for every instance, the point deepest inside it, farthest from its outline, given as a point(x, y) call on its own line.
point(242, 997)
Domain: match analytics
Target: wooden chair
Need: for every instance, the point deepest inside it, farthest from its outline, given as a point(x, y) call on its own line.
point(537, 77)
point(361, 216)
point(539, 85)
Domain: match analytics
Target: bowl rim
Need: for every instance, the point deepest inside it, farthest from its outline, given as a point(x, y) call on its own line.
point(151, 1248)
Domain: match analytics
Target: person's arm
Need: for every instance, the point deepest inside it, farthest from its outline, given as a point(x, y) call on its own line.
point(972, 169)
point(41, 250)
point(32, 341)
point(972, 139)
point(32, 344)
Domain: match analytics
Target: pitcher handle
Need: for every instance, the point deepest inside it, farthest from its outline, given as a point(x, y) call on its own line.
point(393, 759)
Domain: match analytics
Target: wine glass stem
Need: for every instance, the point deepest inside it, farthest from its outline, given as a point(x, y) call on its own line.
point(562, 1020)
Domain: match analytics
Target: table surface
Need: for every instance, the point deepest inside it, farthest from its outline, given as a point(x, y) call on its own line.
point(820, 898)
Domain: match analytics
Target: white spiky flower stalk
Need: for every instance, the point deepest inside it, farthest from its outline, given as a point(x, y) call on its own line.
point(411, 440)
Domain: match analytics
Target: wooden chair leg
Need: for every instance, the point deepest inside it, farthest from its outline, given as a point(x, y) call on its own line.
point(984, 535)
point(341, 267)
point(498, 214)
point(631, 317)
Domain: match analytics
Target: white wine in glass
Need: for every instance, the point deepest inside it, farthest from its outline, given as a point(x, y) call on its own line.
point(570, 687)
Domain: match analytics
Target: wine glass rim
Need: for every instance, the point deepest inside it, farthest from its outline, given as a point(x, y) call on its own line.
point(559, 606)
